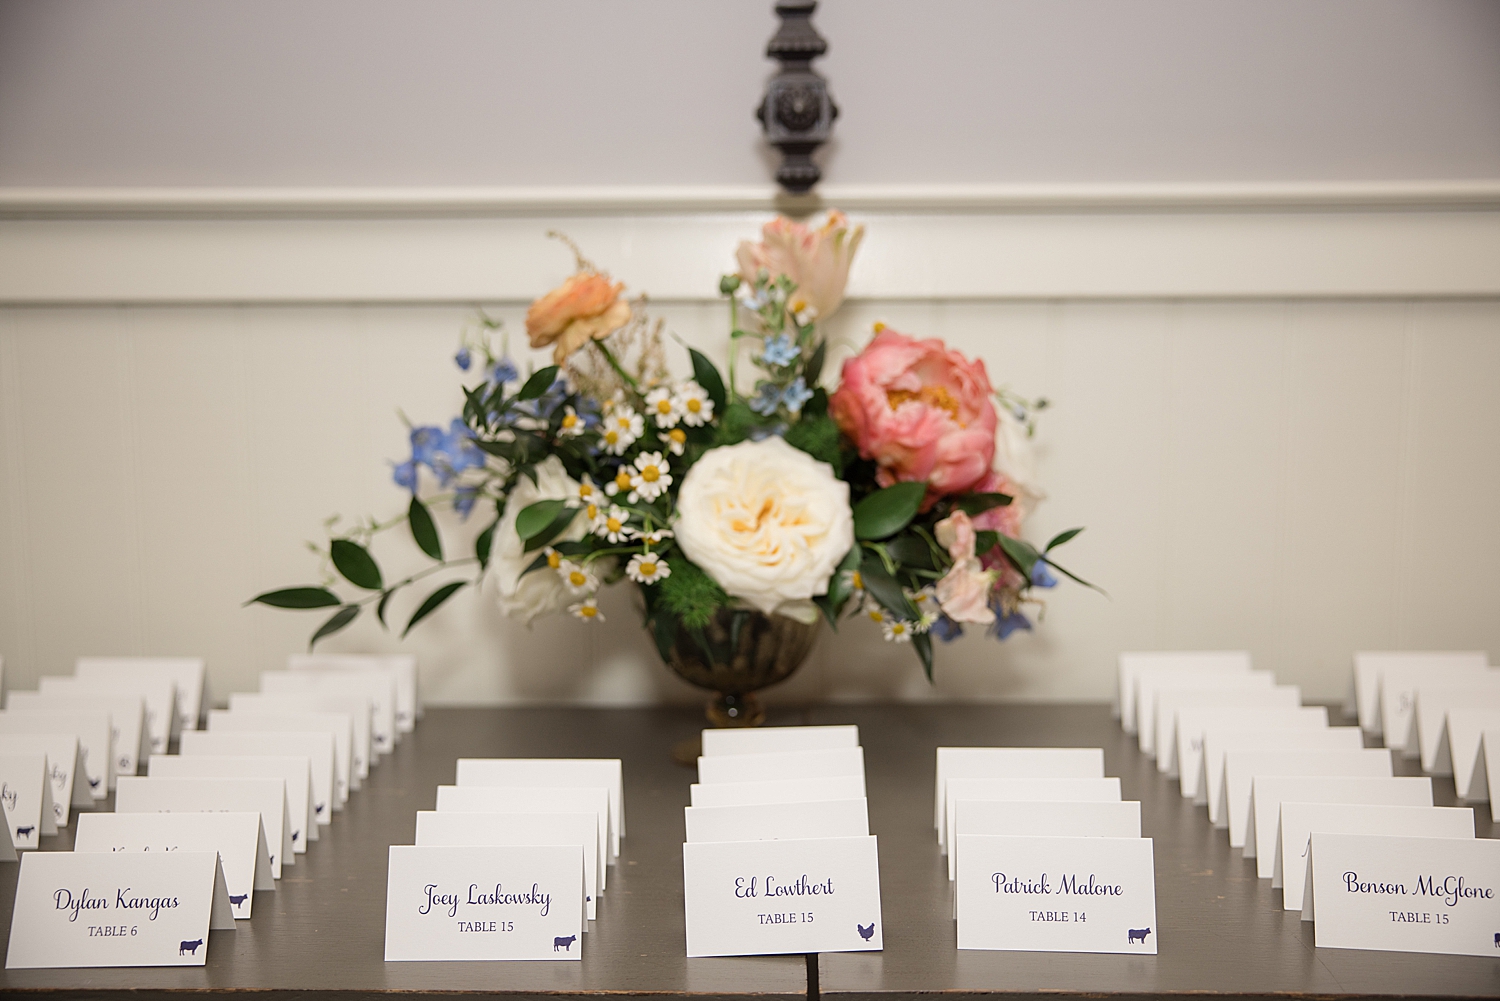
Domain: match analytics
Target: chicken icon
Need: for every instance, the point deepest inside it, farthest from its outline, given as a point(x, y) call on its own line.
point(866, 932)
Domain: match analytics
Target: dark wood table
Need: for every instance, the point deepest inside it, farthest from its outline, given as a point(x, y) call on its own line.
point(321, 933)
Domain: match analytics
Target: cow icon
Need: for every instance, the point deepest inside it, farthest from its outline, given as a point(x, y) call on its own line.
point(1134, 935)
point(238, 898)
point(318, 807)
point(189, 948)
point(25, 832)
point(866, 932)
point(93, 783)
point(566, 944)
point(296, 835)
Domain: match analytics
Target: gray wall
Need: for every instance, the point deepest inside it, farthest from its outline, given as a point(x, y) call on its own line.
point(562, 92)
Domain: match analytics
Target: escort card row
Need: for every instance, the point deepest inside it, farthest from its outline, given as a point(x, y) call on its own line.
point(1325, 817)
point(190, 843)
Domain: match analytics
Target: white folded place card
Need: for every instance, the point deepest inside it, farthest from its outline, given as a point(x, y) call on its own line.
point(1241, 767)
point(766, 739)
point(127, 718)
point(1429, 739)
point(495, 830)
point(237, 837)
point(353, 705)
point(456, 903)
point(7, 844)
point(1011, 763)
point(1399, 894)
point(1051, 894)
point(830, 818)
point(84, 909)
point(158, 695)
point(1235, 690)
point(314, 745)
point(1219, 742)
point(376, 684)
point(605, 772)
point(1193, 722)
point(1133, 663)
point(1275, 790)
point(534, 799)
point(1398, 687)
point(1010, 818)
point(782, 765)
point(1491, 747)
point(779, 791)
point(1465, 728)
point(772, 897)
point(186, 673)
point(92, 730)
point(1086, 790)
point(402, 668)
point(138, 794)
point(1156, 692)
point(1300, 820)
point(295, 770)
point(69, 786)
point(26, 798)
point(1370, 665)
point(338, 725)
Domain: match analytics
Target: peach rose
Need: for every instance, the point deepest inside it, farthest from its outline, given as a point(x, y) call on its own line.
point(920, 411)
point(817, 260)
point(585, 307)
point(964, 591)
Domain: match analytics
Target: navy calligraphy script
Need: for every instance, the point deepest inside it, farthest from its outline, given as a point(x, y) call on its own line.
point(476, 897)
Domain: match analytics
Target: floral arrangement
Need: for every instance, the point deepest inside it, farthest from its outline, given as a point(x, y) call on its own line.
point(900, 496)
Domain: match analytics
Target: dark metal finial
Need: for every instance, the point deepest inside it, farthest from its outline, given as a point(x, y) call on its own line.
point(797, 114)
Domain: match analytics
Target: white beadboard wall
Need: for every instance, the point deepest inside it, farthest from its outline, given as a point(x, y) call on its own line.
point(1301, 470)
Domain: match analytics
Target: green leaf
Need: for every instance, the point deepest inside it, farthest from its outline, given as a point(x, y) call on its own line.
point(340, 619)
point(1060, 538)
point(1074, 577)
point(558, 525)
point(985, 541)
point(707, 376)
point(423, 531)
point(911, 551)
point(922, 643)
point(884, 589)
point(385, 599)
point(840, 588)
point(297, 597)
point(1021, 553)
point(484, 542)
point(814, 367)
point(972, 504)
point(534, 518)
point(888, 511)
point(434, 599)
point(356, 564)
point(541, 380)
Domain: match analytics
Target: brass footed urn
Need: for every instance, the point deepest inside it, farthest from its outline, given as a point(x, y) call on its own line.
point(737, 654)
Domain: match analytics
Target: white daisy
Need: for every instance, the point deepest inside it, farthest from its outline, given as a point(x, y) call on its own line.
point(647, 568)
point(663, 407)
point(617, 439)
point(588, 490)
point(588, 611)
point(572, 424)
point(620, 482)
point(676, 441)
point(612, 525)
point(577, 578)
point(651, 477)
point(876, 614)
point(697, 409)
point(653, 538)
point(554, 558)
point(628, 421)
point(897, 630)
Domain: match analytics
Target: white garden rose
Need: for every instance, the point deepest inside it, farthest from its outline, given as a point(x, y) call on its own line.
point(1014, 460)
point(542, 591)
point(766, 521)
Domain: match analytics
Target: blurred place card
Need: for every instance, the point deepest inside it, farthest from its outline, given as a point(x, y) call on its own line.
point(377, 685)
point(266, 797)
point(1160, 698)
point(529, 799)
point(496, 830)
point(69, 787)
point(1398, 686)
point(1241, 768)
point(1429, 739)
point(1399, 894)
point(775, 765)
point(1270, 792)
point(1082, 790)
point(762, 898)
point(128, 741)
point(1219, 742)
point(1056, 894)
point(1042, 819)
point(402, 667)
point(1370, 665)
point(1465, 751)
point(26, 796)
point(1491, 742)
point(186, 674)
point(315, 745)
point(1133, 664)
point(336, 724)
point(769, 739)
point(92, 729)
point(158, 697)
point(1010, 763)
point(831, 818)
point(570, 772)
point(356, 707)
point(1300, 820)
point(1194, 723)
point(780, 791)
point(237, 837)
point(76, 909)
point(456, 903)
point(295, 770)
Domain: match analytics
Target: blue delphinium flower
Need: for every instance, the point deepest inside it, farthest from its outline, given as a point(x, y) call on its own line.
point(427, 443)
point(463, 358)
point(767, 399)
point(501, 372)
point(463, 500)
point(460, 448)
point(780, 350)
point(946, 629)
point(795, 395)
point(1041, 576)
point(405, 475)
point(1004, 625)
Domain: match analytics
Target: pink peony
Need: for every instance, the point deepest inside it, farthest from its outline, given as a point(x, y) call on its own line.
point(964, 591)
point(921, 411)
point(817, 260)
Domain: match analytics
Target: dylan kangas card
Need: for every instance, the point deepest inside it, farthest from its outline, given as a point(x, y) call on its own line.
point(759, 898)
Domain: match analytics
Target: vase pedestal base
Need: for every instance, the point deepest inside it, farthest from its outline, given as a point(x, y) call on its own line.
point(722, 711)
